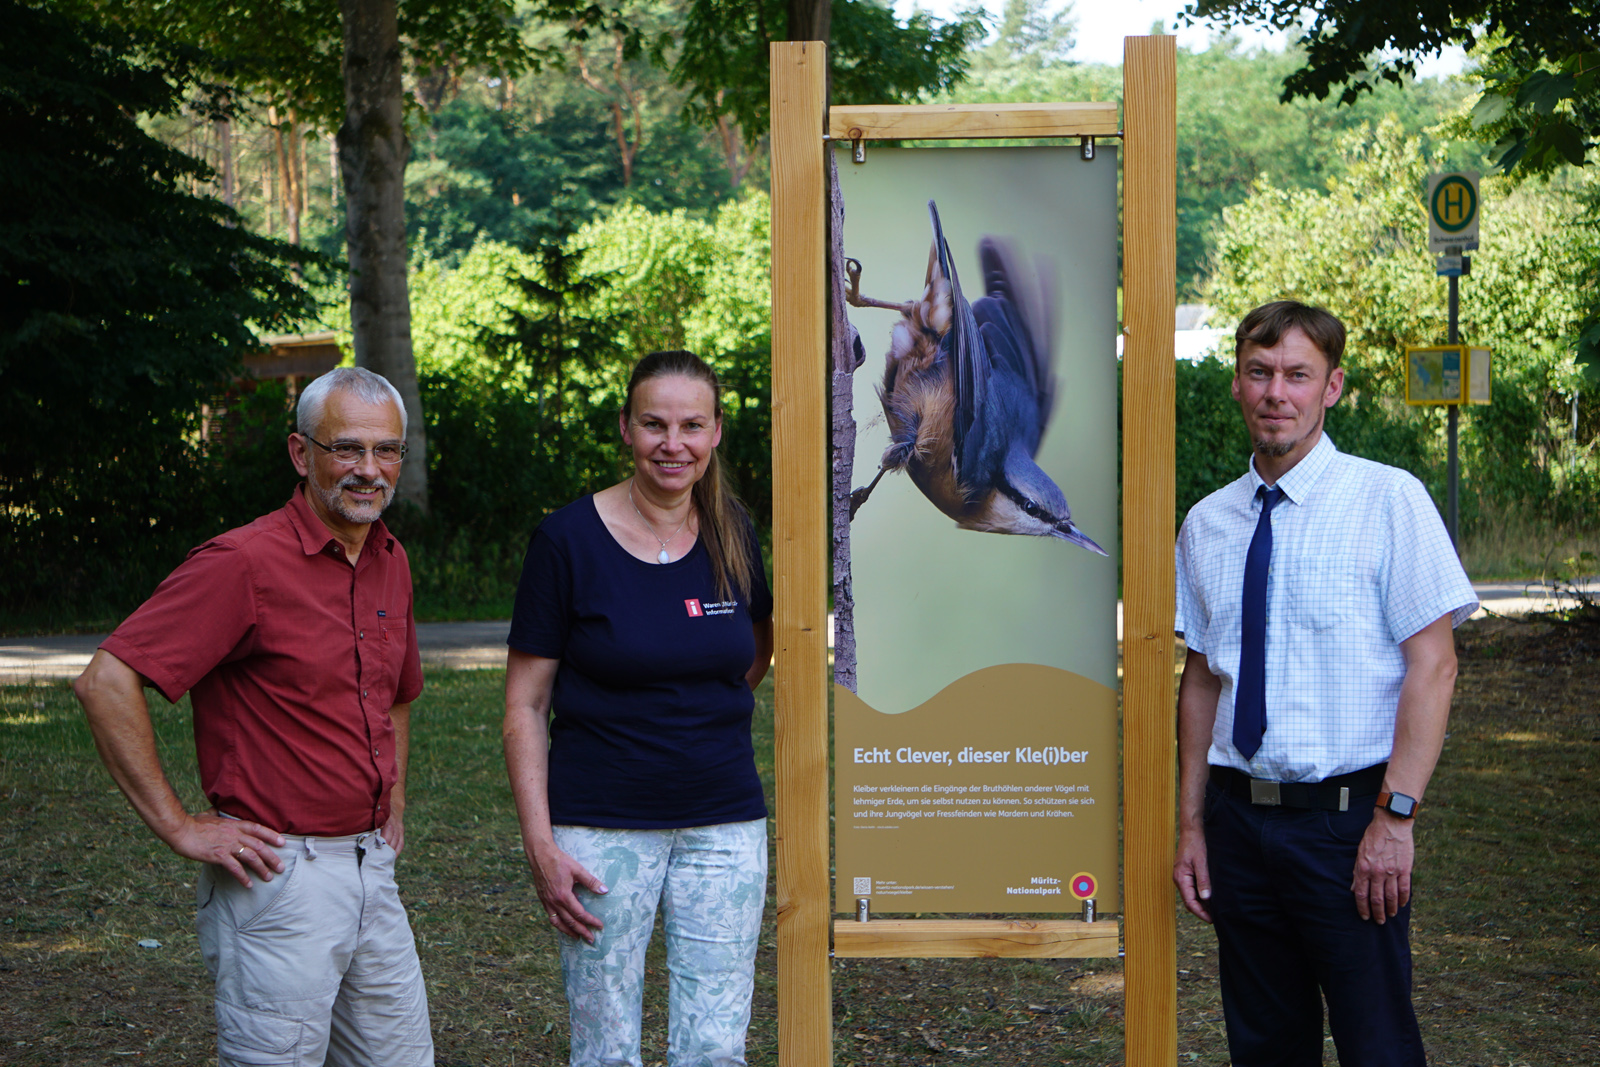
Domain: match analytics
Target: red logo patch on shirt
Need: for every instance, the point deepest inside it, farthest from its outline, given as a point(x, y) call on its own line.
point(695, 610)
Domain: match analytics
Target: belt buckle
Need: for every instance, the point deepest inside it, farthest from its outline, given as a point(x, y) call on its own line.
point(1265, 792)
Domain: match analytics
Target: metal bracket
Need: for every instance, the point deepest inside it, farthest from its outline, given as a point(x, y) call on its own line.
point(1088, 910)
point(858, 151)
point(863, 910)
point(1086, 145)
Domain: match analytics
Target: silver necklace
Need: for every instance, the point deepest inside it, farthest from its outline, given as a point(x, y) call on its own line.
point(663, 556)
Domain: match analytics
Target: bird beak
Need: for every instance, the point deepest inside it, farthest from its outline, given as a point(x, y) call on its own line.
point(1068, 532)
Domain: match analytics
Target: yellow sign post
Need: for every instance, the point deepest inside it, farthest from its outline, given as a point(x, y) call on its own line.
point(1444, 375)
point(1453, 212)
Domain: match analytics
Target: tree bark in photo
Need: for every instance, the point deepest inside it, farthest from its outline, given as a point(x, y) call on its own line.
point(372, 159)
point(847, 355)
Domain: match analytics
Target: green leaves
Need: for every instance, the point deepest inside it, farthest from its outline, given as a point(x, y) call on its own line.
point(1360, 250)
point(875, 57)
point(1542, 91)
point(126, 304)
point(1588, 355)
point(1490, 109)
point(1534, 113)
point(1538, 58)
point(524, 355)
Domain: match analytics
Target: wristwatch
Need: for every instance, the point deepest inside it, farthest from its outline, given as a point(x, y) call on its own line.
point(1399, 805)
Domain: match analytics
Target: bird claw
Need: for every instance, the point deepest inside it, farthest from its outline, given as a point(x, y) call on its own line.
point(852, 268)
point(859, 497)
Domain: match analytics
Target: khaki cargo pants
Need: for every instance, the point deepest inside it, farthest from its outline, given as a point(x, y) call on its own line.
point(318, 965)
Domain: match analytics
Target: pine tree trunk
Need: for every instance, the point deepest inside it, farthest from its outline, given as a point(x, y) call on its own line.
point(287, 191)
point(269, 199)
point(333, 171)
point(372, 159)
point(297, 164)
point(732, 148)
point(225, 149)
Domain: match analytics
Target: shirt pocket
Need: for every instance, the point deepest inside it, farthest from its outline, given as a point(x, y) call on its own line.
point(1324, 593)
point(393, 639)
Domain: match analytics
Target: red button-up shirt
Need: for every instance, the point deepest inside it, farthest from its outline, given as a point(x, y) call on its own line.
point(293, 658)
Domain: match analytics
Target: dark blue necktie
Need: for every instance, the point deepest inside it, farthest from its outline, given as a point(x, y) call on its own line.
point(1250, 697)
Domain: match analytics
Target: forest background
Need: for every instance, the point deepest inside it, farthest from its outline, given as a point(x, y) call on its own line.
point(605, 199)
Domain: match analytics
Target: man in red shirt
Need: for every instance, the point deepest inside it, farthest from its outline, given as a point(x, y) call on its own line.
point(293, 636)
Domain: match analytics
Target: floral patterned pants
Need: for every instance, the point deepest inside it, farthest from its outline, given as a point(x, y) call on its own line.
point(710, 883)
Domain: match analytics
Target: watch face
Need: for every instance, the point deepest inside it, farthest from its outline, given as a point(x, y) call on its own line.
point(1402, 805)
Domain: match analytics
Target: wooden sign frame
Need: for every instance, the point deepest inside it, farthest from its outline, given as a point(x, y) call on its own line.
point(801, 560)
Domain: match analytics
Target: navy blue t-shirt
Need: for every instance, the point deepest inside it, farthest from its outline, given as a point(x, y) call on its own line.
point(651, 724)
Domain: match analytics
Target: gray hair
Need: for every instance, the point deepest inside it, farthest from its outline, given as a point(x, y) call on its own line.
point(364, 385)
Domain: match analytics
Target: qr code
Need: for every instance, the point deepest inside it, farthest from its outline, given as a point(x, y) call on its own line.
point(863, 887)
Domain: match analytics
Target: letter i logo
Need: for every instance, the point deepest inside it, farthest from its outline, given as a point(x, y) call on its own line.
point(695, 610)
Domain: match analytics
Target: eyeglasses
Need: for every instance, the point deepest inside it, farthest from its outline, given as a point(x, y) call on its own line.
point(349, 453)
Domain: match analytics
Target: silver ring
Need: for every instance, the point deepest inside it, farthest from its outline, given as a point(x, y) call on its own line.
point(240, 852)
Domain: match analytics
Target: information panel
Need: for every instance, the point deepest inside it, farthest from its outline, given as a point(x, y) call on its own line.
point(976, 760)
point(1449, 374)
point(1433, 375)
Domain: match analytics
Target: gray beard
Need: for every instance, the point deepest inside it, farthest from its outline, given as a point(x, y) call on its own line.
point(334, 500)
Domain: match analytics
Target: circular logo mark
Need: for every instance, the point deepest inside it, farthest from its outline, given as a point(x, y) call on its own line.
point(1083, 885)
point(1454, 205)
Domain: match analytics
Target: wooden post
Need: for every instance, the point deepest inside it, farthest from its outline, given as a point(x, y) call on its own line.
point(800, 532)
point(1149, 283)
point(800, 510)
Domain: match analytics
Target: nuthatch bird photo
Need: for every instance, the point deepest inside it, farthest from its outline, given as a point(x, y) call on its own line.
point(968, 391)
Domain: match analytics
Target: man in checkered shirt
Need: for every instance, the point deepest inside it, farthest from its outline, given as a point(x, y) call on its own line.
point(1295, 828)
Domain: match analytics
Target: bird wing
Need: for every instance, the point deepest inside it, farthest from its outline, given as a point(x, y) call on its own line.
point(969, 372)
point(1021, 314)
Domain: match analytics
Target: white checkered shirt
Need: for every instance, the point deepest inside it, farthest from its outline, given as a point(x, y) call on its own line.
point(1360, 562)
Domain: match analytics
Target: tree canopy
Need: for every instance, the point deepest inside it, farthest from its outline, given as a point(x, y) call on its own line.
point(125, 303)
point(1232, 129)
point(1359, 247)
point(873, 57)
point(1541, 103)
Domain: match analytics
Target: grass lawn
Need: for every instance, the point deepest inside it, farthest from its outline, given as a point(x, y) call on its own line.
point(1504, 926)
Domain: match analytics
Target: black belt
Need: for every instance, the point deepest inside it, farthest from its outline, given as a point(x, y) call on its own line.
point(1330, 794)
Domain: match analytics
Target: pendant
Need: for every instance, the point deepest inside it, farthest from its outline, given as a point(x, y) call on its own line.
point(664, 556)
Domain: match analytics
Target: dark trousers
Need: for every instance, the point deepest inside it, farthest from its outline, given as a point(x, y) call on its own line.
point(1288, 936)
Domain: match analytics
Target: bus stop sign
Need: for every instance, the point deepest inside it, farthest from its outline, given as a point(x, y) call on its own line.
point(1452, 204)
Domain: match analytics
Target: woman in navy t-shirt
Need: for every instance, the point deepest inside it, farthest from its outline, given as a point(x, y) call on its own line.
point(643, 622)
